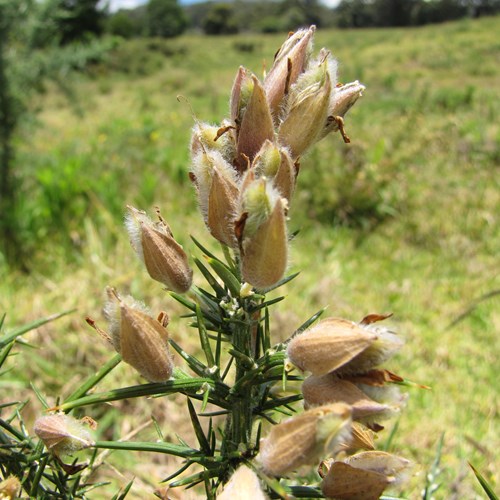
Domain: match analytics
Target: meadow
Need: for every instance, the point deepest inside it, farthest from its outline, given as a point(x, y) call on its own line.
point(402, 220)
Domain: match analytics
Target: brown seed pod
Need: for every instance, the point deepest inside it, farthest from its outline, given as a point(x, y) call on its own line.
point(328, 345)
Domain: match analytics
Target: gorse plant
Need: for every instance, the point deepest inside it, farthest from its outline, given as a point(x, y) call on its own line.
point(245, 172)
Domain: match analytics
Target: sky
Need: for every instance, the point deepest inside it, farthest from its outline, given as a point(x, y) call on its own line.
point(129, 4)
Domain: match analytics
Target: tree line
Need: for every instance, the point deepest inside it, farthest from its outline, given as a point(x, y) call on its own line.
point(166, 18)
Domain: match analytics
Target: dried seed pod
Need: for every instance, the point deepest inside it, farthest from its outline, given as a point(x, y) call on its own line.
point(222, 204)
point(328, 345)
point(141, 340)
point(343, 98)
point(387, 343)
point(256, 126)
point(244, 484)
point(361, 439)
point(344, 482)
point(306, 110)
point(305, 438)
point(394, 467)
point(289, 62)
point(63, 434)
point(164, 258)
point(330, 389)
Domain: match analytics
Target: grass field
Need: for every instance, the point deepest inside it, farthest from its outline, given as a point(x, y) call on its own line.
point(403, 220)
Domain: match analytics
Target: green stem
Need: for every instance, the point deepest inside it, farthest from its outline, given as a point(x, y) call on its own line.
point(190, 386)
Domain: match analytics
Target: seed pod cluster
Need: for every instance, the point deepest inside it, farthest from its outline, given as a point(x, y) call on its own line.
point(272, 124)
point(343, 359)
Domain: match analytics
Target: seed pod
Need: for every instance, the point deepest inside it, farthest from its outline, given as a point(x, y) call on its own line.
point(386, 344)
point(256, 126)
point(240, 94)
point(393, 467)
point(63, 434)
point(306, 111)
point(344, 482)
point(222, 204)
point(263, 238)
point(328, 345)
point(343, 98)
point(361, 439)
point(244, 484)
point(289, 62)
point(141, 340)
point(206, 137)
point(164, 258)
point(330, 389)
point(305, 438)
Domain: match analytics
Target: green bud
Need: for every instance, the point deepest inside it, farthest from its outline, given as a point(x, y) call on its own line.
point(262, 235)
point(276, 164)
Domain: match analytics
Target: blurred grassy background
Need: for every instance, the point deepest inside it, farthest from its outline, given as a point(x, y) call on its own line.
point(402, 220)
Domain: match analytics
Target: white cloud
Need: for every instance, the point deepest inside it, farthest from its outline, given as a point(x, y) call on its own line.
point(115, 5)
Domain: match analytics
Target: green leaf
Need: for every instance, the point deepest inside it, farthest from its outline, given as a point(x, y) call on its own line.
point(204, 341)
point(9, 337)
point(484, 484)
point(123, 493)
point(226, 275)
point(92, 381)
point(167, 448)
point(203, 249)
point(198, 430)
point(211, 280)
point(189, 386)
point(195, 364)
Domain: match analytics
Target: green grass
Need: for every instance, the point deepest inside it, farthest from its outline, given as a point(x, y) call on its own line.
point(403, 220)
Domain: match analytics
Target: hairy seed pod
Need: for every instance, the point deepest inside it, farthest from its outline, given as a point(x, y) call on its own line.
point(256, 126)
point(165, 260)
point(330, 389)
point(344, 482)
point(63, 434)
point(244, 484)
point(307, 112)
point(328, 345)
point(289, 62)
point(265, 255)
point(305, 438)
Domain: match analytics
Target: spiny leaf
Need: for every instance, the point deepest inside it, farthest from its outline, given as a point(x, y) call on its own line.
point(198, 430)
point(6, 339)
point(484, 484)
point(226, 275)
point(220, 292)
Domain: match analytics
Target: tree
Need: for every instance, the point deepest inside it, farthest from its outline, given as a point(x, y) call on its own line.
point(29, 54)
point(77, 19)
point(165, 18)
point(220, 20)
